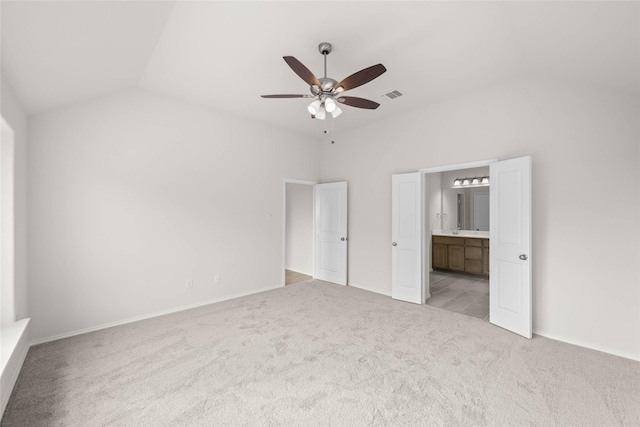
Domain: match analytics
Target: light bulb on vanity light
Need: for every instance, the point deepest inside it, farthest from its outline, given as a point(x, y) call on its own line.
point(457, 181)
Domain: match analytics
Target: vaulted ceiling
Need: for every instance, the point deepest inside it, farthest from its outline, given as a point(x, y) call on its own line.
point(223, 55)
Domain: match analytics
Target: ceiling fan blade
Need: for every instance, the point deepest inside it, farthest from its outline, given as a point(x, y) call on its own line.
point(352, 101)
point(361, 77)
point(286, 96)
point(303, 72)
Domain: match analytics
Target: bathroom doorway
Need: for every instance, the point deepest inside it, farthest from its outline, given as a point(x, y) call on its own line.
point(457, 239)
point(510, 285)
point(418, 244)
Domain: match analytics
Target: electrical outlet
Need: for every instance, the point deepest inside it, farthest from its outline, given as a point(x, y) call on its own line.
point(189, 284)
point(216, 278)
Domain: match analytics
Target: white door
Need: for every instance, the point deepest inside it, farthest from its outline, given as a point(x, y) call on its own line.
point(510, 234)
point(330, 254)
point(406, 234)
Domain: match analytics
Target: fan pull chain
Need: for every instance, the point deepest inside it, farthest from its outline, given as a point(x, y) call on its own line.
point(332, 140)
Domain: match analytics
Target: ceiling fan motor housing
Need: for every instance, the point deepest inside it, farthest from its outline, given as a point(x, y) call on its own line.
point(327, 84)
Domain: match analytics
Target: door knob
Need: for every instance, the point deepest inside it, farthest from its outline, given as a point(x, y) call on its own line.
point(394, 244)
point(343, 238)
point(523, 257)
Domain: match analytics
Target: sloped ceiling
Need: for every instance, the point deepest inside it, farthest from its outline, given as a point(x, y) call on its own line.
point(57, 53)
point(223, 55)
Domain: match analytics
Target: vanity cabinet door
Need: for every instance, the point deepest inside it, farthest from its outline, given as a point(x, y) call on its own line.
point(456, 258)
point(473, 266)
point(440, 256)
point(485, 261)
point(473, 253)
point(473, 256)
point(460, 254)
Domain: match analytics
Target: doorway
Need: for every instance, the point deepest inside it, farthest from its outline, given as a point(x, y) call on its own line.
point(510, 294)
point(457, 228)
point(314, 231)
point(298, 231)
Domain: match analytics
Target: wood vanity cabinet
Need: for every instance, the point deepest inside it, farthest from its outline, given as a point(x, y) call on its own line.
point(461, 254)
point(485, 257)
point(440, 256)
point(456, 258)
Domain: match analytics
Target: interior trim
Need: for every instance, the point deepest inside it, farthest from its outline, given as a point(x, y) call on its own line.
point(468, 165)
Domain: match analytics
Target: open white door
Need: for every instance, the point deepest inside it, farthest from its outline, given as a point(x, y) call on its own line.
point(406, 233)
point(510, 237)
point(330, 254)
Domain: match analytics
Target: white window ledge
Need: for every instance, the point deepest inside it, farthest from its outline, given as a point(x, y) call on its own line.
point(14, 344)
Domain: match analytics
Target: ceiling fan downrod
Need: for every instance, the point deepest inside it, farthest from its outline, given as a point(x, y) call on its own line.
point(327, 85)
point(325, 49)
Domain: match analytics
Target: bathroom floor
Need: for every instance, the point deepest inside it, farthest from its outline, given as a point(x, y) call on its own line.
point(460, 293)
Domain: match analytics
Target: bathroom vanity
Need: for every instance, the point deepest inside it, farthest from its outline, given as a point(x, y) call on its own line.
point(465, 252)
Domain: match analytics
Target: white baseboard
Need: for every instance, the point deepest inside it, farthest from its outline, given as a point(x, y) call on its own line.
point(150, 315)
point(23, 354)
point(355, 285)
point(579, 343)
point(14, 362)
point(552, 336)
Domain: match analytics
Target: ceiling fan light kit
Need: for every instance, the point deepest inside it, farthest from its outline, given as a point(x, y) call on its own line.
point(329, 105)
point(314, 107)
point(327, 91)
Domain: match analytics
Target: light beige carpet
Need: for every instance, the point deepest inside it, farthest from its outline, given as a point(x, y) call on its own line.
point(315, 353)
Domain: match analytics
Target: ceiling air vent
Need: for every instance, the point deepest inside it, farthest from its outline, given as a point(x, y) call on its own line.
point(393, 95)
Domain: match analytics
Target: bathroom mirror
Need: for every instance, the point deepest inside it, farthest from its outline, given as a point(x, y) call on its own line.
point(465, 208)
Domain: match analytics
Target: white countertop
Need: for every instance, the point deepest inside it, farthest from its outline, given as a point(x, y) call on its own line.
point(462, 233)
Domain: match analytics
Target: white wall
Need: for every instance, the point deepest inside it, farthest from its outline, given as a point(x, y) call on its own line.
point(299, 228)
point(585, 269)
point(133, 194)
point(14, 114)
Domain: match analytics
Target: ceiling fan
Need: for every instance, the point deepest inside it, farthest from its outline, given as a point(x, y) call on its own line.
point(327, 91)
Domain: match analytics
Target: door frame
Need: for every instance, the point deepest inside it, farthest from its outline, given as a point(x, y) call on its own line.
point(286, 181)
point(426, 237)
point(7, 219)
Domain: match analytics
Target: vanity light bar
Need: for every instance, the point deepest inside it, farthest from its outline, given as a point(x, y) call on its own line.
point(471, 182)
